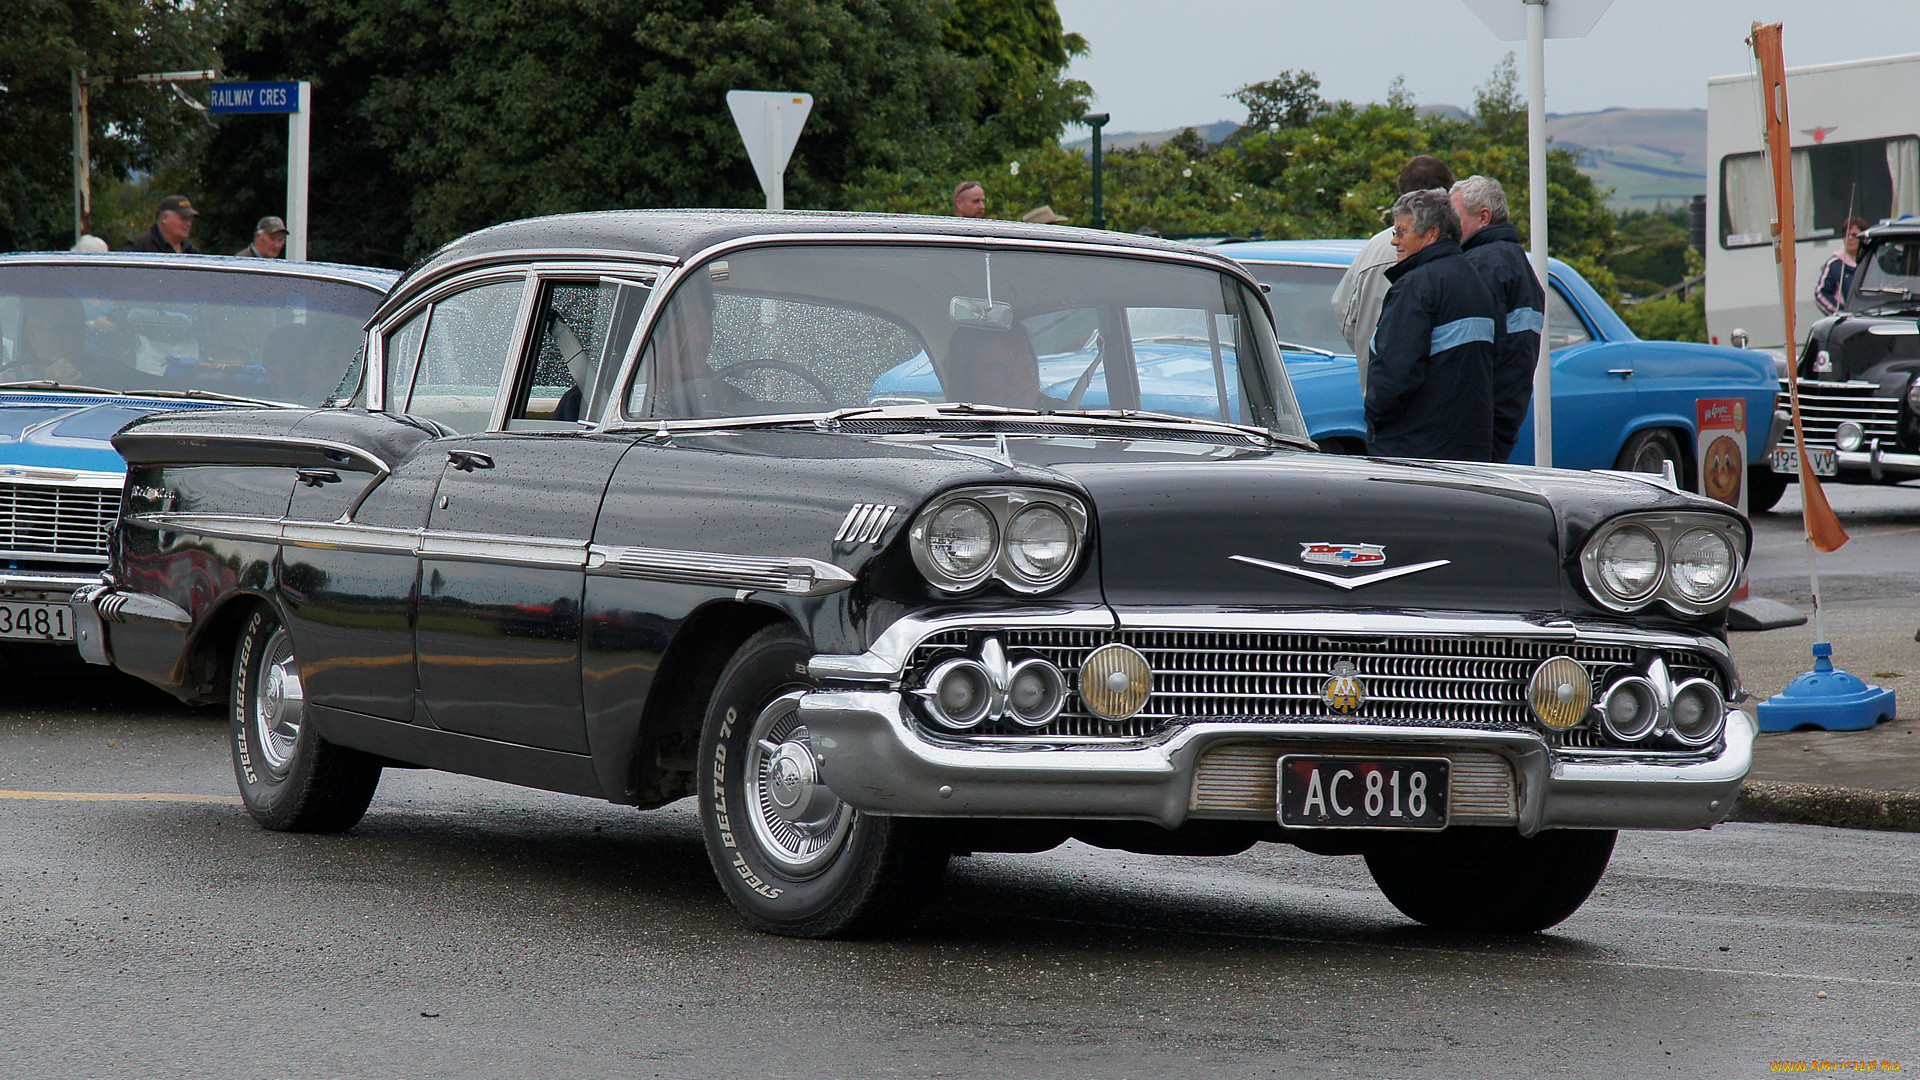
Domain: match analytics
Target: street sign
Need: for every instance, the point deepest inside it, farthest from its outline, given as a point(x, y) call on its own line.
point(769, 123)
point(254, 97)
point(1565, 18)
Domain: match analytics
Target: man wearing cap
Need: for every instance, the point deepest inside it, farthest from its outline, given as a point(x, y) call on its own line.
point(170, 228)
point(269, 239)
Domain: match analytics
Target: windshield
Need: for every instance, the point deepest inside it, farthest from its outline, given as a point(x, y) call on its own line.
point(813, 328)
point(1302, 301)
point(180, 331)
point(1890, 273)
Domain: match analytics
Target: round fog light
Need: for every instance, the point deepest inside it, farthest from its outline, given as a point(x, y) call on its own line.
point(1630, 709)
point(1848, 436)
point(958, 694)
point(1560, 693)
point(1115, 681)
point(1698, 711)
point(1036, 692)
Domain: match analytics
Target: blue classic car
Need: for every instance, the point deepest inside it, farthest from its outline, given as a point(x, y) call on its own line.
point(90, 343)
point(1619, 402)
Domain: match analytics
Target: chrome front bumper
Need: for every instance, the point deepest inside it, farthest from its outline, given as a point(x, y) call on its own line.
point(1877, 463)
point(874, 756)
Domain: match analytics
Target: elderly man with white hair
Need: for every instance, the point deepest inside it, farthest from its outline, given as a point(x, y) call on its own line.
point(1492, 245)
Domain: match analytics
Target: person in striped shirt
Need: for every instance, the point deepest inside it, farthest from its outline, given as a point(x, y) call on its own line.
point(1836, 277)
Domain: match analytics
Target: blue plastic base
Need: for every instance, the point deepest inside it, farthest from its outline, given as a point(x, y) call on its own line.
point(1826, 697)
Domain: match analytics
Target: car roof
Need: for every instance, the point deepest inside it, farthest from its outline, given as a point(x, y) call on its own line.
point(1325, 252)
point(674, 236)
point(1899, 228)
point(372, 277)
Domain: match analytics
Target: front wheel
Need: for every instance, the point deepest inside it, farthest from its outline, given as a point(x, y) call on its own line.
point(1493, 880)
point(1651, 451)
point(291, 779)
point(792, 857)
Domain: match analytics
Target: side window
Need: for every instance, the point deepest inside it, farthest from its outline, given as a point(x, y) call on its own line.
point(463, 356)
point(580, 332)
point(403, 354)
point(1564, 327)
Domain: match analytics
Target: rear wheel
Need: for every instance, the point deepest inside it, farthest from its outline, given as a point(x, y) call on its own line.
point(792, 857)
point(1484, 879)
point(291, 779)
point(1651, 451)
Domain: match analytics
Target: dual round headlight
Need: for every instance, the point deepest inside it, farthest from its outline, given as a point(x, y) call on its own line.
point(1028, 539)
point(1691, 561)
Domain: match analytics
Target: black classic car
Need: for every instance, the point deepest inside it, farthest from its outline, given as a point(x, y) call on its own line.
point(639, 506)
point(1860, 371)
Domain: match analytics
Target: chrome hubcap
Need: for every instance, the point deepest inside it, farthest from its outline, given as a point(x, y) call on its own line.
point(799, 823)
point(279, 703)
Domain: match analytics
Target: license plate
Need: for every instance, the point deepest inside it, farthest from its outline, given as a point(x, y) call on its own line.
point(1824, 459)
point(1363, 793)
point(43, 622)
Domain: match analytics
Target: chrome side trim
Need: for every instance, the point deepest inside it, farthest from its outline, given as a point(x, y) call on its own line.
point(334, 450)
point(794, 576)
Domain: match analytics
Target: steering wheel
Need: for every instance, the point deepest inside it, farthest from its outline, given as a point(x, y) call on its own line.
point(768, 363)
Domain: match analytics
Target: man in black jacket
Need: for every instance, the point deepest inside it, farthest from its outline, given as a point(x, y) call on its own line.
point(170, 228)
point(1429, 389)
point(1492, 245)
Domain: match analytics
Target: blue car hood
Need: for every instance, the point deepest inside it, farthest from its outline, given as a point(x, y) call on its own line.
point(71, 431)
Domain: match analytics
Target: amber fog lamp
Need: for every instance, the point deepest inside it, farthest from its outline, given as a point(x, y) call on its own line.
point(1115, 682)
point(1560, 693)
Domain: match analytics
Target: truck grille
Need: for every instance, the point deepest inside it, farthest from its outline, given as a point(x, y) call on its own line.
point(1458, 682)
point(56, 521)
point(1823, 405)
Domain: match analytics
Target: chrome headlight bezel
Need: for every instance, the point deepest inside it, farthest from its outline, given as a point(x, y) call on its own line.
point(1003, 505)
point(1667, 528)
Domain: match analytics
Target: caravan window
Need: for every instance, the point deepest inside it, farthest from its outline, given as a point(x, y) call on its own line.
point(1871, 178)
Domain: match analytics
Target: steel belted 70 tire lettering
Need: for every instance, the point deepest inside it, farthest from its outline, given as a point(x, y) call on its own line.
point(291, 779)
point(791, 856)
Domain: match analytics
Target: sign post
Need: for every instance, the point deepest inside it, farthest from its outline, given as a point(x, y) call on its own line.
point(769, 123)
point(296, 100)
point(1537, 20)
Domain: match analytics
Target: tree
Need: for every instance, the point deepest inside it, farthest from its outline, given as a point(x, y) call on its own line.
point(435, 119)
point(134, 127)
point(1291, 99)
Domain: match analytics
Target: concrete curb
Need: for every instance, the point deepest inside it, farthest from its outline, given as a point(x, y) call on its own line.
point(1837, 807)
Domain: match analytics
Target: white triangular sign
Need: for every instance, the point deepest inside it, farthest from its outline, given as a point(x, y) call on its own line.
point(769, 123)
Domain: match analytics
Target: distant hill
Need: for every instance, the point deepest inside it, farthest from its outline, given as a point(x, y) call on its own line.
point(1647, 156)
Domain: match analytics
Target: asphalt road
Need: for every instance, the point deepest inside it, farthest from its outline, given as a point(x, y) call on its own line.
point(1880, 562)
point(469, 929)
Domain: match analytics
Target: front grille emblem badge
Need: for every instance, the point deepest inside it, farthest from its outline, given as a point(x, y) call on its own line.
point(1324, 553)
point(1344, 693)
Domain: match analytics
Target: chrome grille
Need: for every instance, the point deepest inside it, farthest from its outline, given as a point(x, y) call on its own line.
point(1461, 682)
point(1243, 778)
point(58, 521)
point(1824, 405)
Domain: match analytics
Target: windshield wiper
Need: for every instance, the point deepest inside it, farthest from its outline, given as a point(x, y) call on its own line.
point(1173, 418)
point(1904, 294)
point(50, 384)
point(1291, 347)
point(206, 395)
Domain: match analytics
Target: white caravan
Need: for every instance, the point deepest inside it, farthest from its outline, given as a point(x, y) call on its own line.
point(1856, 153)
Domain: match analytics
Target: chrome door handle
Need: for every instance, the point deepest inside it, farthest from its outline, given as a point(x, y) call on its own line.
point(469, 460)
point(1623, 372)
point(316, 477)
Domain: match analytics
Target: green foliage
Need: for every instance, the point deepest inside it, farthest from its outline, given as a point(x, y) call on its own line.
point(437, 118)
point(1670, 318)
point(134, 128)
point(1651, 250)
point(1291, 100)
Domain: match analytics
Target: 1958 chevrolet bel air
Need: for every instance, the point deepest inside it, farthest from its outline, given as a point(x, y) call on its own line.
point(628, 505)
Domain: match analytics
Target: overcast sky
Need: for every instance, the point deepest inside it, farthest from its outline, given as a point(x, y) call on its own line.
point(1159, 64)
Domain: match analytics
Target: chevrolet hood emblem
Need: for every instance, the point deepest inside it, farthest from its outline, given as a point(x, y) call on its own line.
point(1330, 554)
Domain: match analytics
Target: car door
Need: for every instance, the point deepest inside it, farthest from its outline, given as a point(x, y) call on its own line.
point(497, 635)
point(1590, 402)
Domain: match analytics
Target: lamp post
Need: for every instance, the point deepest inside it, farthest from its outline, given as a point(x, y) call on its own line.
point(1097, 121)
